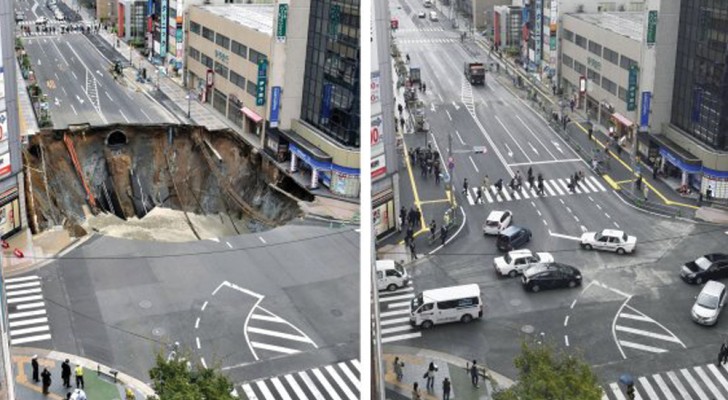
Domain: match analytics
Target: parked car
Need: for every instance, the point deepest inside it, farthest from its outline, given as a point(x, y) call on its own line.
point(41, 21)
point(550, 276)
point(517, 261)
point(433, 15)
point(497, 221)
point(391, 275)
point(709, 266)
point(60, 16)
point(609, 240)
point(512, 237)
point(709, 303)
point(422, 14)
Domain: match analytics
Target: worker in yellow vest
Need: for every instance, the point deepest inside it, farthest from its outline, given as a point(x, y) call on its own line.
point(79, 377)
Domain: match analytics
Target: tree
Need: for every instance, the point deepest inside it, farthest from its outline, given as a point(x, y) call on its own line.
point(176, 379)
point(545, 373)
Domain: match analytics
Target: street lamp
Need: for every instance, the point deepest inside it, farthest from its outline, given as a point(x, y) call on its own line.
point(189, 102)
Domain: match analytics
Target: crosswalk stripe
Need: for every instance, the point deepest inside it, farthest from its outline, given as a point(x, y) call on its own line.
point(524, 192)
point(280, 389)
point(718, 376)
point(393, 313)
point(564, 185)
point(25, 331)
point(26, 322)
point(399, 305)
point(678, 385)
point(663, 387)
point(30, 305)
point(309, 384)
point(249, 393)
point(401, 328)
point(694, 384)
point(342, 385)
point(711, 386)
point(547, 186)
point(505, 195)
point(617, 391)
point(385, 293)
point(24, 299)
point(635, 317)
point(282, 335)
point(355, 362)
point(296, 388)
point(515, 195)
point(577, 189)
point(269, 318)
point(470, 199)
point(588, 182)
point(325, 383)
point(648, 388)
point(647, 333)
point(596, 182)
point(270, 347)
point(26, 314)
point(487, 196)
point(583, 187)
point(22, 279)
point(401, 337)
point(352, 378)
point(22, 285)
point(11, 293)
point(400, 297)
point(394, 321)
point(496, 195)
point(642, 347)
point(30, 339)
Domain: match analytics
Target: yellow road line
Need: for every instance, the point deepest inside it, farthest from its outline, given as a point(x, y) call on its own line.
point(625, 181)
point(412, 181)
point(611, 182)
point(435, 201)
point(418, 233)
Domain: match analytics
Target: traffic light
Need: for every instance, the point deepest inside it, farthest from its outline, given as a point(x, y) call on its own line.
point(630, 391)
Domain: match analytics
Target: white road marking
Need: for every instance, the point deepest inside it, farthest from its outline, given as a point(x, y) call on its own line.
point(22, 285)
point(566, 321)
point(309, 384)
point(197, 323)
point(537, 138)
point(392, 298)
point(393, 313)
point(598, 206)
point(716, 372)
point(30, 305)
point(401, 328)
point(23, 292)
point(566, 340)
point(394, 321)
point(573, 303)
point(568, 209)
point(711, 386)
point(570, 160)
point(636, 317)
point(24, 299)
point(607, 215)
point(617, 391)
point(583, 229)
point(262, 240)
point(229, 245)
point(448, 115)
point(197, 340)
point(538, 212)
point(340, 382)
point(596, 182)
point(34, 329)
point(26, 322)
point(648, 388)
point(268, 318)
point(202, 360)
point(576, 218)
point(281, 335)
point(74, 74)
point(29, 339)
point(663, 387)
point(107, 95)
point(325, 383)
point(616, 224)
point(401, 337)
point(694, 384)
point(473, 162)
point(349, 374)
point(558, 235)
point(270, 347)
point(545, 223)
point(123, 115)
point(204, 306)
point(556, 187)
point(296, 388)
point(22, 279)
point(642, 347)
point(146, 115)
point(647, 333)
point(463, 142)
point(280, 388)
point(399, 305)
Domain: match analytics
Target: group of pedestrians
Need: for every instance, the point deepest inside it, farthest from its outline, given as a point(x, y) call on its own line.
point(515, 184)
point(428, 160)
point(429, 377)
point(574, 180)
point(45, 377)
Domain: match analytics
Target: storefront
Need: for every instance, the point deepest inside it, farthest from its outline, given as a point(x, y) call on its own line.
point(676, 165)
point(623, 126)
point(252, 121)
point(10, 218)
point(384, 214)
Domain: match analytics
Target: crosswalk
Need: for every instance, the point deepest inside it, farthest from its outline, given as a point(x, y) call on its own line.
point(702, 382)
point(394, 309)
point(636, 332)
point(551, 188)
point(429, 41)
point(27, 318)
point(336, 381)
point(417, 30)
point(270, 335)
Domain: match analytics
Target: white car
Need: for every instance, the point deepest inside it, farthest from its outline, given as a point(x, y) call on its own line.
point(517, 261)
point(41, 21)
point(609, 240)
point(422, 14)
point(433, 15)
point(709, 303)
point(497, 221)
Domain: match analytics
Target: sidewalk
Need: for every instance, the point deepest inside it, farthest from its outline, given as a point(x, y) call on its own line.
point(37, 250)
point(97, 386)
point(416, 362)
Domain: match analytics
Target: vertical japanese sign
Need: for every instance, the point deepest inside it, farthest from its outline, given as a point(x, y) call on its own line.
point(5, 166)
point(632, 88)
point(275, 105)
point(651, 27)
point(163, 33)
point(179, 35)
point(262, 82)
point(645, 109)
point(282, 23)
point(538, 25)
point(553, 27)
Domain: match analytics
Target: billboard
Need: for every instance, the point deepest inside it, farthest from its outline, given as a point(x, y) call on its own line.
point(163, 33)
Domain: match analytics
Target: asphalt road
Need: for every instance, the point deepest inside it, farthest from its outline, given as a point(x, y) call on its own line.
point(254, 305)
point(600, 321)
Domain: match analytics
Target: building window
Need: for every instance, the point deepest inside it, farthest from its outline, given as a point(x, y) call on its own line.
point(237, 80)
point(221, 70)
point(239, 49)
point(626, 62)
point(195, 27)
point(580, 68)
point(593, 76)
point(569, 35)
point(611, 56)
point(205, 60)
point(252, 88)
point(580, 41)
point(567, 61)
point(255, 56)
point(623, 94)
point(609, 86)
point(219, 101)
point(222, 41)
point(208, 34)
point(194, 54)
point(595, 48)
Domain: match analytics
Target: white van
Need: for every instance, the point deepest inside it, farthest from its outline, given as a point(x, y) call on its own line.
point(391, 275)
point(450, 304)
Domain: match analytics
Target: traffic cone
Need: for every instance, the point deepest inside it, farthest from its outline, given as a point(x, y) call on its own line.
point(5, 244)
point(18, 253)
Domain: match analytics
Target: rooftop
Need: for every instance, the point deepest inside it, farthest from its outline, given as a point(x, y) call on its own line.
point(258, 17)
point(627, 24)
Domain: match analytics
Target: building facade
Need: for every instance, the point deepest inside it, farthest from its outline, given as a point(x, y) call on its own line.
point(507, 26)
point(132, 20)
point(106, 11)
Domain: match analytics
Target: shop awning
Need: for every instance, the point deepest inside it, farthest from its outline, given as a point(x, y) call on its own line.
point(685, 157)
point(310, 149)
point(251, 114)
point(622, 119)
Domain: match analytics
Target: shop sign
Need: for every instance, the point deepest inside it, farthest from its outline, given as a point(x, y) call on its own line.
point(380, 218)
point(651, 27)
point(282, 23)
point(375, 87)
point(376, 134)
point(210, 77)
point(222, 56)
point(179, 39)
point(275, 106)
point(539, 30)
point(379, 166)
point(262, 80)
point(9, 217)
point(5, 167)
point(632, 89)
point(645, 109)
point(163, 33)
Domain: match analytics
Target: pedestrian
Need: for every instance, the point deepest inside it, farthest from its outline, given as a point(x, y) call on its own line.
point(424, 88)
point(411, 216)
point(401, 124)
point(576, 177)
point(499, 185)
point(709, 191)
point(540, 187)
point(79, 377)
point(34, 365)
point(572, 103)
point(400, 108)
point(46, 376)
point(638, 182)
point(530, 173)
point(410, 233)
point(398, 369)
point(474, 374)
point(436, 171)
point(429, 164)
point(591, 133)
point(724, 359)
point(418, 217)
point(647, 192)
point(530, 181)
point(402, 218)
point(408, 59)
point(519, 181)
point(416, 395)
point(512, 184)
point(443, 234)
point(412, 156)
point(465, 186)
point(430, 375)
point(66, 373)
point(486, 183)
point(446, 389)
point(654, 171)
point(433, 229)
point(479, 195)
point(413, 252)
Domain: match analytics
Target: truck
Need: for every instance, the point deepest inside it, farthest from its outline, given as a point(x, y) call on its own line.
point(475, 72)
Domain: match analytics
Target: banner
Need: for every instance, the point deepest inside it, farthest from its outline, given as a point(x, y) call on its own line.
point(282, 23)
point(632, 89)
point(645, 110)
point(275, 101)
point(163, 33)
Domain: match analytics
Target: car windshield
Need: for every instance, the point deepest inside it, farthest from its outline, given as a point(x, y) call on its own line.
point(624, 237)
point(416, 301)
point(708, 301)
point(491, 223)
point(703, 263)
point(508, 259)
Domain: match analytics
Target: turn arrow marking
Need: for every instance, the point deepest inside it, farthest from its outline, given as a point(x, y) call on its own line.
point(533, 148)
point(457, 107)
point(510, 153)
point(558, 146)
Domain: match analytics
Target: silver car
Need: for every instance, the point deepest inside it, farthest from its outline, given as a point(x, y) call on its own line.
point(709, 303)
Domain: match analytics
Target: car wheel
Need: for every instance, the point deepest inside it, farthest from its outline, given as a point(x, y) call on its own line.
point(699, 280)
point(572, 284)
point(587, 246)
point(513, 273)
point(392, 287)
point(466, 318)
point(426, 325)
point(535, 288)
point(620, 251)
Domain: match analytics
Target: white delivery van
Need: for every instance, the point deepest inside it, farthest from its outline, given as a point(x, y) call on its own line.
point(450, 304)
point(391, 275)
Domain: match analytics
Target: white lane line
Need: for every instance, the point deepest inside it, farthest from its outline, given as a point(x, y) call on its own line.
point(197, 323)
point(349, 374)
point(146, 115)
point(539, 212)
point(460, 138)
point(393, 313)
point(558, 235)
point(107, 95)
point(399, 297)
point(26, 322)
point(74, 75)
point(607, 215)
point(229, 245)
point(568, 209)
point(566, 321)
point(124, 115)
point(573, 303)
point(197, 340)
point(30, 339)
point(280, 388)
point(24, 299)
point(583, 229)
point(262, 240)
point(537, 138)
point(23, 292)
point(202, 360)
point(25, 331)
point(474, 166)
point(448, 115)
point(401, 337)
point(648, 388)
point(277, 334)
point(544, 222)
point(22, 279)
point(598, 206)
point(340, 382)
point(616, 224)
point(270, 347)
point(204, 305)
point(636, 317)
point(514, 140)
point(663, 387)
point(642, 347)
point(22, 285)
point(576, 218)
point(711, 386)
point(694, 384)
point(617, 391)
point(309, 384)
point(74, 109)
point(296, 388)
point(566, 340)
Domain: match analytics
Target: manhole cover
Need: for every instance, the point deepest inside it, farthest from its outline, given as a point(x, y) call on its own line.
point(336, 313)
point(158, 332)
point(145, 304)
point(515, 302)
point(527, 329)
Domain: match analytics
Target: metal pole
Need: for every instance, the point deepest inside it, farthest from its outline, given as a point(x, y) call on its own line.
point(189, 102)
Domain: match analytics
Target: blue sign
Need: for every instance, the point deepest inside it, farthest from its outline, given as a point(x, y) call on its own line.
point(262, 82)
point(697, 103)
point(676, 161)
point(645, 110)
point(150, 7)
point(275, 105)
point(326, 106)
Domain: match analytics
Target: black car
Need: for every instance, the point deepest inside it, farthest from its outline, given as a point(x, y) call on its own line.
point(513, 237)
point(550, 276)
point(705, 268)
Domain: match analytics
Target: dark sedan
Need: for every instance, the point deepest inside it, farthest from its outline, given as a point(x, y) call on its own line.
point(705, 268)
point(550, 276)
